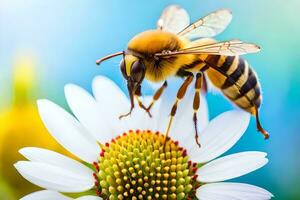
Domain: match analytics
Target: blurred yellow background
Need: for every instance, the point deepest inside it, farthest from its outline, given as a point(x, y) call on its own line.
point(20, 126)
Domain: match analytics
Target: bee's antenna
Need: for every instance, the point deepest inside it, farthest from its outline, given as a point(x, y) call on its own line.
point(99, 61)
point(124, 58)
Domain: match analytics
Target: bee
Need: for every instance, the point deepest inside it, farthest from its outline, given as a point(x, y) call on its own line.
point(178, 48)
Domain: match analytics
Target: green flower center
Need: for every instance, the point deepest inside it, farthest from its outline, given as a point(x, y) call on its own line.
point(137, 165)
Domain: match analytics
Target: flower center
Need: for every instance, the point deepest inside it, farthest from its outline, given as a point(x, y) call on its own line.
point(136, 165)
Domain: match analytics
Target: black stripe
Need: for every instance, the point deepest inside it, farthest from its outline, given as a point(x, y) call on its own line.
point(183, 73)
point(256, 99)
point(245, 106)
point(234, 77)
point(249, 84)
point(257, 102)
point(227, 64)
point(257, 92)
point(213, 60)
point(191, 65)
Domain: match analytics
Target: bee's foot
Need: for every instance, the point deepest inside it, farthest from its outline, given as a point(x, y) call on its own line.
point(264, 133)
point(125, 115)
point(148, 112)
point(259, 127)
point(267, 136)
point(197, 142)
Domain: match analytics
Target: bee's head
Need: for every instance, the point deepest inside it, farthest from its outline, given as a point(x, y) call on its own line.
point(133, 70)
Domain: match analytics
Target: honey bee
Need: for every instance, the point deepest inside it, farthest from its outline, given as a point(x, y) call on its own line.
point(178, 48)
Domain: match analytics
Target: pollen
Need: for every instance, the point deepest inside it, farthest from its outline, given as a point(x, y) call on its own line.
point(137, 165)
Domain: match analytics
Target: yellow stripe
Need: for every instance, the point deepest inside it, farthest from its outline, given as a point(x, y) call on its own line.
point(243, 102)
point(248, 96)
point(244, 77)
point(233, 91)
point(129, 60)
point(234, 66)
point(221, 61)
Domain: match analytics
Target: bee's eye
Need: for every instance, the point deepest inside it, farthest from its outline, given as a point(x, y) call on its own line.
point(138, 71)
point(123, 69)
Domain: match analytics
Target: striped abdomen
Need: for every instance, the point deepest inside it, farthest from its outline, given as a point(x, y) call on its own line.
point(234, 76)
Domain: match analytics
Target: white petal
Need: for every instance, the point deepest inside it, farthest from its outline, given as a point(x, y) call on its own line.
point(203, 114)
point(45, 195)
point(240, 191)
point(209, 196)
point(167, 100)
point(52, 158)
point(220, 135)
point(54, 178)
point(87, 111)
point(184, 128)
point(139, 119)
point(53, 195)
point(186, 117)
point(231, 166)
point(112, 102)
point(154, 85)
point(68, 131)
point(89, 198)
point(152, 122)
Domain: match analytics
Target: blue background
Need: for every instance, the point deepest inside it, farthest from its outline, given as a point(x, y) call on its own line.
point(66, 37)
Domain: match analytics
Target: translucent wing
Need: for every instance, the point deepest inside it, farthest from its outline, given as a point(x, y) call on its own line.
point(173, 19)
point(227, 48)
point(208, 26)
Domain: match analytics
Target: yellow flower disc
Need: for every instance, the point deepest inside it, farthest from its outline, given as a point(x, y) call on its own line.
point(137, 165)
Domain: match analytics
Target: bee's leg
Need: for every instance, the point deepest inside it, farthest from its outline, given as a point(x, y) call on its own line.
point(204, 86)
point(258, 125)
point(157, 95)
point(180, 94)
point(131, 95)
point(127, 114)
point(196, 102)
point(142, 105)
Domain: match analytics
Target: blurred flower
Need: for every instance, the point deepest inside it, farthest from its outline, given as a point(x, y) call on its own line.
point(20, 126)
point(5, 191)
point(136, 164)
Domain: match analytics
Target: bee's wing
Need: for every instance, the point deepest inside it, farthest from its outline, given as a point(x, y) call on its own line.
point(208, 26)
point(227, 48)
point(173, 19)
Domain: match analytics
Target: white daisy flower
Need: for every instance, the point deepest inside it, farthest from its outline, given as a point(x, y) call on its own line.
point(125, 159)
